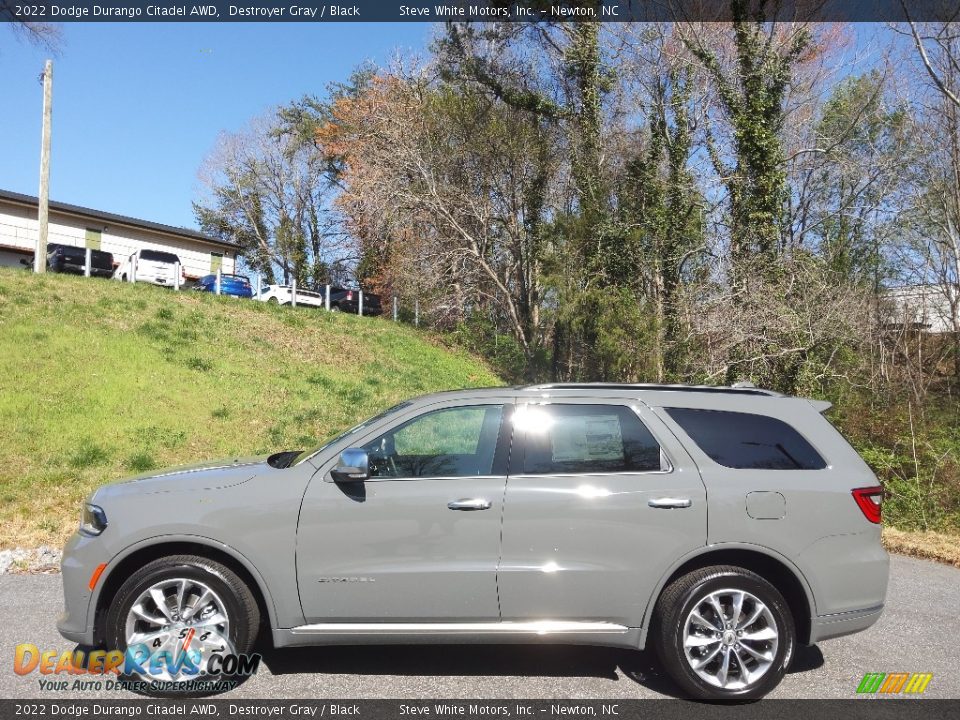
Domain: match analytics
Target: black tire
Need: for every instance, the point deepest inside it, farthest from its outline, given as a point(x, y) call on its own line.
point(677, 601)
point(334, 308)
point(240, 606)
point(273, 300)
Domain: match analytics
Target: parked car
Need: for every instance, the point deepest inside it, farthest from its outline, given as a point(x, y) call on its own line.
point(152, 266)
point(342, 299)
point(601, 535)
point(236, 285)
point(73, 259)
point(283, 295)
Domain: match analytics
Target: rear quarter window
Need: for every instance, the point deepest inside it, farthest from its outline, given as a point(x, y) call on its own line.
point(747, 441)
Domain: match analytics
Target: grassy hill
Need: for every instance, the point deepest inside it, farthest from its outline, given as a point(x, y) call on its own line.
point(100, 379)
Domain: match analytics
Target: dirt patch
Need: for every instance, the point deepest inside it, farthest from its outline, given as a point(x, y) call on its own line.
point(929, 545)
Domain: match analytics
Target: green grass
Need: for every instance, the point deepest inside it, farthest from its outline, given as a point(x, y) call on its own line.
point(100, 379)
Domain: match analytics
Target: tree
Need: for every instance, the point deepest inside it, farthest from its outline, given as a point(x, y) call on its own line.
point(661, 207)
point(557, 73)
point(750, 64)
point(929, 256)
point(268, 192)
point(447, 189)
point(937, 245)
point(847, 180)
point(938, 50)
point(46, 35)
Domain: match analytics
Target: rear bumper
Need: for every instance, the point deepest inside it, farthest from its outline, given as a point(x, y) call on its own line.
point(353, 307)
point(827, 627)
point(162, 282)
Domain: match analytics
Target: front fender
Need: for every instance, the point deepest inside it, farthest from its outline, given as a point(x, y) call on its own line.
point(275, 616)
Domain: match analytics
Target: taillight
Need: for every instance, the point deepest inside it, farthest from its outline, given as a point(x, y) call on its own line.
point(869, 500)
point(350, 295)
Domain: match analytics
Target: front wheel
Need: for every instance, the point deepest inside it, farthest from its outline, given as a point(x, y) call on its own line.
point(173, 615)
point(724, 633)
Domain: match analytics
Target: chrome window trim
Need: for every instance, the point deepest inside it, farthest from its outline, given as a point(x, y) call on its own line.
point(435, 477)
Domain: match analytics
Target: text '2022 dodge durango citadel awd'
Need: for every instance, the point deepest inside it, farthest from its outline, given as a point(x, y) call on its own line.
point(722, 526)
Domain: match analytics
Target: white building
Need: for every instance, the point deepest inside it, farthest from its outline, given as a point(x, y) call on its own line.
point(82, 227)
point(922, 307)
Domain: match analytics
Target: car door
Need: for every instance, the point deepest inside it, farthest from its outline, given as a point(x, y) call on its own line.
point(600, 500)
point(419, 540)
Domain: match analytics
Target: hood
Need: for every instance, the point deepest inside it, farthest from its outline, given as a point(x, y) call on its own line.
point(200, 476)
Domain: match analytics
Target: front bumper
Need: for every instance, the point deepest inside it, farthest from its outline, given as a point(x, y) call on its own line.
point(81, 556)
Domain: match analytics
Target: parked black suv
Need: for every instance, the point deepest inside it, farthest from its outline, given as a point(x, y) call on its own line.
point(344, 300)
point(72, 259)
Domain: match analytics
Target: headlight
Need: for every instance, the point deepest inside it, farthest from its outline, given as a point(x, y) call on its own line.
point(94, 519)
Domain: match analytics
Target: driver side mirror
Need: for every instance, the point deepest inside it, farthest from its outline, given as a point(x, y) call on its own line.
point(353, 466)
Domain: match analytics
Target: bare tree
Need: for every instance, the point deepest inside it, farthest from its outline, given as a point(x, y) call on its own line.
point(449, 189)
point(45, 35)
point(797, 333)
point(266, 190)
point(932, 257)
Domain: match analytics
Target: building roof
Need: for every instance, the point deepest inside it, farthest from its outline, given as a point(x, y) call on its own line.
point(107, 217)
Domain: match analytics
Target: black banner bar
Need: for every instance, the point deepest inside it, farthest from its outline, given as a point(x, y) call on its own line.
point(477, 10)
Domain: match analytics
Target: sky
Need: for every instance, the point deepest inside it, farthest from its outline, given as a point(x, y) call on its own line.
point(137, 107)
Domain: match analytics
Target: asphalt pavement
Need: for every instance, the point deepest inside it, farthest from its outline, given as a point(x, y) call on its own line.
point(918, 632)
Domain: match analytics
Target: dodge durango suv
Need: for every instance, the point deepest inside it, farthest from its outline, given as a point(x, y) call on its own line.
point(720, 526)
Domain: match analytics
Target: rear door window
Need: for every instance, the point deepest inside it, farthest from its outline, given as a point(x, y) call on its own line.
point(747, 441)
point(585, 439)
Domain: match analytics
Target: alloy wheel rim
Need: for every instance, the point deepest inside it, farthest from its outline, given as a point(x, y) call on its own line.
point(182, 618)
point(730, 639)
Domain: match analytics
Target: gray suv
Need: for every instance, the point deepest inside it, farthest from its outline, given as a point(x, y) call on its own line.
point(721, 526)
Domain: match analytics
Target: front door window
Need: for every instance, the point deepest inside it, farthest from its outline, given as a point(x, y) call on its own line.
point(452, 442)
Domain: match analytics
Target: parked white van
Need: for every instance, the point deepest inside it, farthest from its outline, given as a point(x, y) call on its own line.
point(153, 266)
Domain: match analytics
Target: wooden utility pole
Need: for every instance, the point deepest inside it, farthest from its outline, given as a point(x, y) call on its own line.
point(40, 255)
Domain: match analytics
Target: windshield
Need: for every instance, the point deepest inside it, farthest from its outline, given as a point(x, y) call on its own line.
point(356, 428)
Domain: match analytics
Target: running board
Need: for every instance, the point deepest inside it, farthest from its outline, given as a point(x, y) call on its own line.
point(536, 627)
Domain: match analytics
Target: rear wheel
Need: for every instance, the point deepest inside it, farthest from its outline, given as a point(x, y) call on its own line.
point(174, 614)
point(274, 301)
point(724, 632)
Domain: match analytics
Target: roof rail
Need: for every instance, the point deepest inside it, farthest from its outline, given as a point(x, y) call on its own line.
point(738, 389)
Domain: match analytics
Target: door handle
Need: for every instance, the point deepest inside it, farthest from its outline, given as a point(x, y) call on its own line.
point(469, 504)
point(669, 503)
